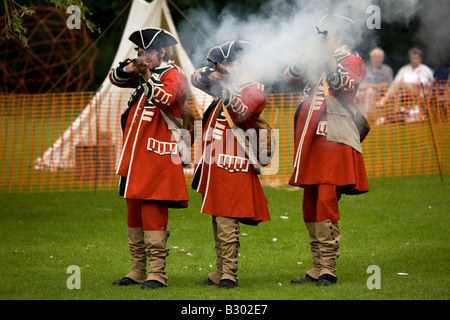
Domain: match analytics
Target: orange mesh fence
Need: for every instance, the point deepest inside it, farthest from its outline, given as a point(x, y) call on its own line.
point(409, 129)
point(72, 141)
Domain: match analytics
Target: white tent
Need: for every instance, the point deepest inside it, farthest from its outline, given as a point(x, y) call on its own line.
point(103, 112)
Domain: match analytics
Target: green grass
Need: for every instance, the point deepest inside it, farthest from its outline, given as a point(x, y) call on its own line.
point(400, 226)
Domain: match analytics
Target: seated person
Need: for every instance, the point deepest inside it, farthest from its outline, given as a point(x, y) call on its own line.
point(407, 84)
point(378, 77)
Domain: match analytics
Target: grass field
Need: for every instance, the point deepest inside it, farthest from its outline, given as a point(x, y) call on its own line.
point(399, 226)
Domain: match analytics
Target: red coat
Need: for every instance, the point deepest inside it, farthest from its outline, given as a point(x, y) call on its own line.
point(316, 160)
point(224, 175)
point(149, 160)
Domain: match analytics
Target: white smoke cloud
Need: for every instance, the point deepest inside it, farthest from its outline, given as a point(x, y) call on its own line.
point(282, 30)
point(433, 32)
point(403, 10)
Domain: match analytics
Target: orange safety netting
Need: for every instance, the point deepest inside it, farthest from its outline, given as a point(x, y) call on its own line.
point(72, 141)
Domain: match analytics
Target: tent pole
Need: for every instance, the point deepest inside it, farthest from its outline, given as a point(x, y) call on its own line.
point(189, 20)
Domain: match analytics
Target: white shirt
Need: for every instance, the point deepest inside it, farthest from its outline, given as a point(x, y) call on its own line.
point(421, 74)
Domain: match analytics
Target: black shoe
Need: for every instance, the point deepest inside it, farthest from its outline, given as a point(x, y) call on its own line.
point(207, 282)
point(326, 280)
point(227, 284)
point(125, 281)
point(306, 279)
point(152, 284)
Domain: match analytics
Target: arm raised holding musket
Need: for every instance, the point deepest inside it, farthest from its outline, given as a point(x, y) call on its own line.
point(325, 168)
point(230, 187)
point(151, 180)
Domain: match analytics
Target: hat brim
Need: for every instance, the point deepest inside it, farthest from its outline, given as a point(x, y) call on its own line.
point(153, 38)
point(228, 52)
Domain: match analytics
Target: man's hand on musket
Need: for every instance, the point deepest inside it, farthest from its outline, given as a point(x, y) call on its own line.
point(215, 76)
point(142, 67)
point(147, 61)
point(138, 66)
point(220, 74)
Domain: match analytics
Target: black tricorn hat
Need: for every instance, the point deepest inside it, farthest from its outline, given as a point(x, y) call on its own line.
point(154, 38)
point(334, 22)
point(229, 51)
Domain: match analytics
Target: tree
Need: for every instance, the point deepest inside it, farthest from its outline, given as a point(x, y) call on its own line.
point(14, 12)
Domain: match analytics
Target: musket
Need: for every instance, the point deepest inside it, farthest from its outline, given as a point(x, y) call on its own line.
point(126, 62)
point(218, 67)
point(135, 61)
point(324, 33)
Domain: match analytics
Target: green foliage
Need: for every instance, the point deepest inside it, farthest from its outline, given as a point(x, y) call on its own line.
point(14, 22)
point(14, 12)
point(400, 226)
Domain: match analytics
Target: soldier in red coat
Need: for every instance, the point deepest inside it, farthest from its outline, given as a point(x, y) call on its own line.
point(326, 169)
point(152, 178)
point(224, 175)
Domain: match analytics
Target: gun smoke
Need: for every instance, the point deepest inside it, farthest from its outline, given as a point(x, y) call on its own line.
point(282, 30)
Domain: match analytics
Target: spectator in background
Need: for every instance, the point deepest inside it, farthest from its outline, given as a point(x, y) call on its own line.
point(415, 72)
point(441, 90)
point(377, 71)
point(442, 75)
point(378, 77)
point(406, 88)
